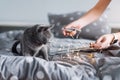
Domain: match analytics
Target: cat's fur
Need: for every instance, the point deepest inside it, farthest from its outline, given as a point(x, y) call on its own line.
point(34, 41)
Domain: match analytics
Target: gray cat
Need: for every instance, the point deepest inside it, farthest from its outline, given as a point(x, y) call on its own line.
point(34, 41)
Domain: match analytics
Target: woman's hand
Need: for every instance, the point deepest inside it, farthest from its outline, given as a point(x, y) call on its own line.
point(73, 25)
point(103, 42)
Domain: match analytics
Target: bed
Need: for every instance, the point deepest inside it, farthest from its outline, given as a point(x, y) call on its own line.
point(63, 65)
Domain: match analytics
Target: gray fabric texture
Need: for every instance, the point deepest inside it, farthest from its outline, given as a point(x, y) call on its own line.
point(101, 66)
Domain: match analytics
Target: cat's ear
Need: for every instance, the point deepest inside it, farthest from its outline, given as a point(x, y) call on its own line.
point(40, 29)
point(45, 28)
point(51, 26)
point(48, 27)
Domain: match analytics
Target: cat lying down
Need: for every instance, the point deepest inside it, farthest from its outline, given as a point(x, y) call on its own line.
point(34, 41)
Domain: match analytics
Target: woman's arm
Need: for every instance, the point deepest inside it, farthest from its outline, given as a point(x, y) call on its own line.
point(94, 13)
point(88, 18)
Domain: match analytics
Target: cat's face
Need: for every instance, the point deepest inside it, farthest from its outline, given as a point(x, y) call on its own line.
point(39, 34)
point(44, 33)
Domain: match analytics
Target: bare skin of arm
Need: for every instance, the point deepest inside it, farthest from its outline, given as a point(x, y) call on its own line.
point(92, 15)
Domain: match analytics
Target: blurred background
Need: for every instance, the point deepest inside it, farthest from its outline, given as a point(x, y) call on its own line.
point(22, 12)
